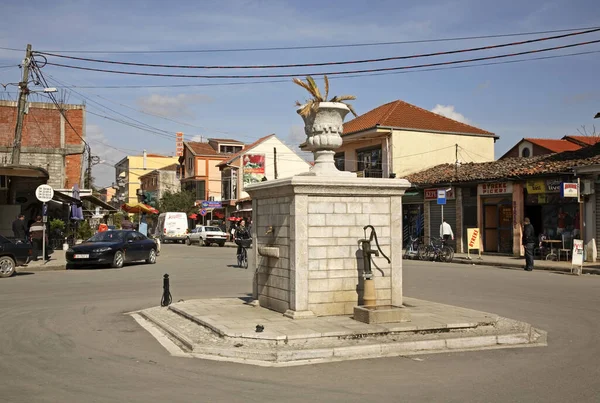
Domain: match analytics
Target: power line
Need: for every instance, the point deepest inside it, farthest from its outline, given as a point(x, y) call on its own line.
point(351, 45)
point(277, 66)
point(332, 73)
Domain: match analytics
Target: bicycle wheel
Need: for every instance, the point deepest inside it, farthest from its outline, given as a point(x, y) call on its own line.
point(245, 259)
point(239, 260)
point(422, 252)
point(407, 252)
point(448, 253)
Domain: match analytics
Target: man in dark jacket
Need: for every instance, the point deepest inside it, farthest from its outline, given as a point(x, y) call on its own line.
point(19, 228)
point(529, 242)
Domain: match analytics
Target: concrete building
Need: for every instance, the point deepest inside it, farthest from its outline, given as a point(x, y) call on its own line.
point(200, 161)
point(400, 138)
point(267, 158)
point(155, 183)
point(129, 170)
point(48, 141)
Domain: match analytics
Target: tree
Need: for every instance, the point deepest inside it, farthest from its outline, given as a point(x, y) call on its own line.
point(593, 133)
point(182, 201)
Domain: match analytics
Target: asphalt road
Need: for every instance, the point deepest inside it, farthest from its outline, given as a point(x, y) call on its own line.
point(64, 338)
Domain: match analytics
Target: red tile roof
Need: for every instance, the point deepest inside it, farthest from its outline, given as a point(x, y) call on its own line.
point(402, 115)
point(554, 145)
point(246, 149)
point(583, 140)
point(508, 168)
point(227, 141)
point(201, 148)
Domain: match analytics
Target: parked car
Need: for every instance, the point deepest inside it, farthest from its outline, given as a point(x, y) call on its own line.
point(113, 248)
point(13, 253)
point(206, 235)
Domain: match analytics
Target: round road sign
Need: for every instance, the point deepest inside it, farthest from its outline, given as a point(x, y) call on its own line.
point(203, 212)
point(44, 193)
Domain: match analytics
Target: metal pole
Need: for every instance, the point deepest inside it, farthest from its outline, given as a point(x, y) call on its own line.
point(44, 219)
point(16, 151)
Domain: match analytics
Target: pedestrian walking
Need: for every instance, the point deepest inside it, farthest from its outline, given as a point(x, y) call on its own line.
point(36, 232)
point(446, 231)
point(529, 241)
point(19, 228)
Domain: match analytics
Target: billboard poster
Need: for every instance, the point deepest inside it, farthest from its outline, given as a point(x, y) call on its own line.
point(179, 144)
point(254, 168)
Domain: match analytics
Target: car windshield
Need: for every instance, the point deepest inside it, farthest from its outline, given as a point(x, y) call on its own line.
point(212, 229)
point(107, 236)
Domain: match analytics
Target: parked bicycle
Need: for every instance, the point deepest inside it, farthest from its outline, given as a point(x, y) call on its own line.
point(437, 250)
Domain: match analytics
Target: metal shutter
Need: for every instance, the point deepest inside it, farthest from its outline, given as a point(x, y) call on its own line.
point(435, 217)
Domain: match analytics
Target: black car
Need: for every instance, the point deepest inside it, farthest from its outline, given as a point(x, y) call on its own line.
point(112, 248)
point(13, 253)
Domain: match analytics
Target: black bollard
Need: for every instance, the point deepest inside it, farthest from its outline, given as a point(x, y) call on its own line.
point(166, 297)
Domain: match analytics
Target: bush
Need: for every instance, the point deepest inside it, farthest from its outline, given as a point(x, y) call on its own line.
point(84, 231)
point(57, 225)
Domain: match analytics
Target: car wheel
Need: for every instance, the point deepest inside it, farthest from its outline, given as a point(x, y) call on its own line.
point(7, 266)
point(188, 242)
point(206, 243)
point(221, 244)
point(118, 259)
point(151, 257)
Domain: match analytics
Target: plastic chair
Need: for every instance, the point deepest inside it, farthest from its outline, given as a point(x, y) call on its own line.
point(567, 244)
point(541, 249)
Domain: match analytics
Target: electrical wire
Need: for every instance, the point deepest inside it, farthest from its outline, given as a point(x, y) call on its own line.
point(337, 63)
point(332, 73)
point(351, 45)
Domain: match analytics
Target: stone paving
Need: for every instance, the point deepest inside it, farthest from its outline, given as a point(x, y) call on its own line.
point(226, 329)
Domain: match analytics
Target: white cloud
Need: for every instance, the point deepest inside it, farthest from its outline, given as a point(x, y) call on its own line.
point(449, 112)
point(295, 138)
point(172, 105)
point(104, 172)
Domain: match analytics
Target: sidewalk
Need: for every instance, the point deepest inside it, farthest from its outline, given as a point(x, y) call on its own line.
point(57, 262)
point(519, 262)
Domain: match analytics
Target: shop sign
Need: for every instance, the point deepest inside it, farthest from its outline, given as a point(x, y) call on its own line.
point(485, 189)
point(553, 185)
point(473, 237)
point(536, 186)
point(577, 257)
point(254, 168)
point(432, 194)
point(569, 190)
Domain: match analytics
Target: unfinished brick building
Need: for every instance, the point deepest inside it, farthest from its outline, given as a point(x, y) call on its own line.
point(48, 141)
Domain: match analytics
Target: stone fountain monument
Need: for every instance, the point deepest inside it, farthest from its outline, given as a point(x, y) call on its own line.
point(307, 231)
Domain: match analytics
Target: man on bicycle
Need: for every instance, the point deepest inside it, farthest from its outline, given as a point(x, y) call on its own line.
point(241, 233)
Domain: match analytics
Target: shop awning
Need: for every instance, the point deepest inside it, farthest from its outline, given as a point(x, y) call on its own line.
point(97, 202)
point(64, 198)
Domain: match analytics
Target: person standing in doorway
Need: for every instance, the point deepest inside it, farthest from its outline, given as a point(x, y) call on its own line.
point(446, 231)
point(37, 235)
point(529, 241)
point(19, 228)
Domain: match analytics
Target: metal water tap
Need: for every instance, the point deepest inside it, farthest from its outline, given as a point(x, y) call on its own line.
point(269, 230)
point(368, 252)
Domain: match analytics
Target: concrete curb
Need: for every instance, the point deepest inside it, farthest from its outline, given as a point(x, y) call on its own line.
point(538, 265)
point(50, 266)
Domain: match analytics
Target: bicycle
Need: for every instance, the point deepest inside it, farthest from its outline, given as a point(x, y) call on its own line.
point(242, 258)
point(412, 250)
point(438, 251)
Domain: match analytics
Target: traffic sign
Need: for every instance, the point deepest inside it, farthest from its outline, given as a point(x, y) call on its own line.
point(44, 193)
point(441, 196)
point(210, 204)
point(203, 212)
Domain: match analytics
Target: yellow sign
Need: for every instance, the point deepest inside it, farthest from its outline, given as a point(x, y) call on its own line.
point(473, 237)
point(536, 187)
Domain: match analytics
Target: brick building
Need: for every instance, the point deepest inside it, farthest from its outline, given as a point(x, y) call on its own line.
point(48, 141)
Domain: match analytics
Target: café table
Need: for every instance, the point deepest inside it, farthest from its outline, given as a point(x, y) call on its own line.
point(552, 242)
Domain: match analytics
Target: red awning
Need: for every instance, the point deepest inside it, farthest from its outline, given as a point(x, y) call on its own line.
point(193, 216)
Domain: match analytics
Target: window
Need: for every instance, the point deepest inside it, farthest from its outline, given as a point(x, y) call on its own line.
point(525, 153)
point(229, 149)
point(369, 161)
point(198, 188)
point(3, 182)
point(340, 161)
point(190, 166)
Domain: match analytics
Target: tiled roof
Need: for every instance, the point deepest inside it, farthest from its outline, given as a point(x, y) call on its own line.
point(227, 141)
point(509, 168)
point(201, 148)
point(554, 145)
point(245, 150)
point(583, 140)
point(402, 115)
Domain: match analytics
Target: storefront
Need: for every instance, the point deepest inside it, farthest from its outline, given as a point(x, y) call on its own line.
point(499, 215)
point(413, 223)
point(551, 214)
point(436, 211)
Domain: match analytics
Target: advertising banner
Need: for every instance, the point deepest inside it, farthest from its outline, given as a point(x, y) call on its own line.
point(179, 144)
point(254, 168)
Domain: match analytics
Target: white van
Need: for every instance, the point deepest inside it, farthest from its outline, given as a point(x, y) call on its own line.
point(172, 227)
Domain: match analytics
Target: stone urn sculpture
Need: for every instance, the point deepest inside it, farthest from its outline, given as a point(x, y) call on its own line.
point(323, 125)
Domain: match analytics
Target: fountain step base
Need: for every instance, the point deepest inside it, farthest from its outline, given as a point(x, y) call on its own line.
point(381, 314)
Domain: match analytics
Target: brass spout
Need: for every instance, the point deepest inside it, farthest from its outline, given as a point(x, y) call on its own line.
point(269, 230)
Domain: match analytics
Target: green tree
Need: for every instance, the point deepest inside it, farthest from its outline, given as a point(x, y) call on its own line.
point(84, 231)
point(182, 201)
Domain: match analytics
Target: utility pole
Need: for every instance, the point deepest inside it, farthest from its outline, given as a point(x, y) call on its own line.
point(21, 104)
point(275, 161)
point(456, 161)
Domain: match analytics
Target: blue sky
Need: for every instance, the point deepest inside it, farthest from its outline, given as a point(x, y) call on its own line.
point(546, 98)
